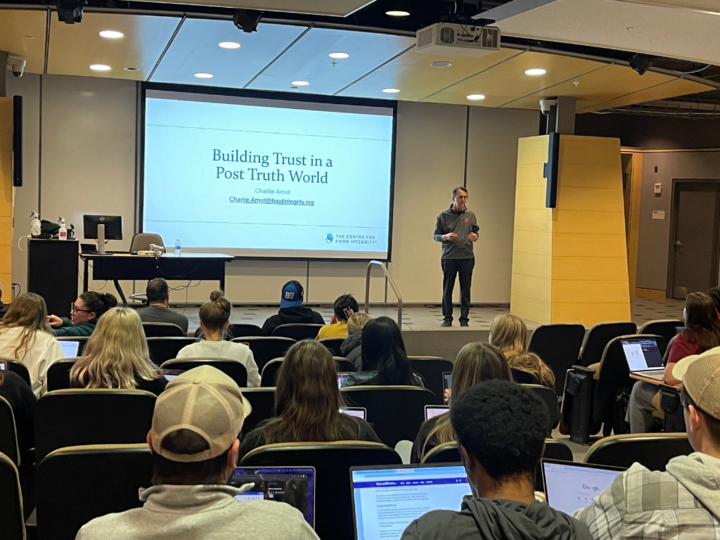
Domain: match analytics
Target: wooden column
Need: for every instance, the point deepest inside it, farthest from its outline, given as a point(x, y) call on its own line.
point(6, 197)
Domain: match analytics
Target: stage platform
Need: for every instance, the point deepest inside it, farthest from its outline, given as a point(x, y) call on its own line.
point(421, 324)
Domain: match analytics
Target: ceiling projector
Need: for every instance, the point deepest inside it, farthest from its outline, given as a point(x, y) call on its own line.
point(451, 39)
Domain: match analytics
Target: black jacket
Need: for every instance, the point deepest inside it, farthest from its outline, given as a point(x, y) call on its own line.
point(351, 349)
point(297, 314)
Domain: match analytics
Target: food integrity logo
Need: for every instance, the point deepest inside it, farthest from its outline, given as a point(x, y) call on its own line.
point(329, 238)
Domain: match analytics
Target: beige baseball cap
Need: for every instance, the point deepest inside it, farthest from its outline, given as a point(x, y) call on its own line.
point(205, 401)
point(701, 379)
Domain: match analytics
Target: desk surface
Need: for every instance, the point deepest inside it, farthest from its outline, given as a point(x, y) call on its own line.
point(163, 256)
point(653, 381)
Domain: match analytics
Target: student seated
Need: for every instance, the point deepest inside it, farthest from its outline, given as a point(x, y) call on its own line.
point(351, 348)
point(528, 368)
point(509, 334)
point(84, 315)
point(194, 445)
point(683, 502)
point(26, 337)
point(701, 333)
point(158, 295)
point(214, 320)
point(116, 356)
point(307, 403)
point(384, 360)
point(476, 362)
point(343, 308)
point(291, 309)
point(22, 402)
point(500, 428)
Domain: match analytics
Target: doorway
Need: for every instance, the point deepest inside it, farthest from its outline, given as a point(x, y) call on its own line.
point(694, 251)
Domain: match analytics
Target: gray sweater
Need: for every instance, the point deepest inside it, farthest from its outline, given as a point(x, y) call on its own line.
point(202, 512)
point(164, 315)
point(460, 223)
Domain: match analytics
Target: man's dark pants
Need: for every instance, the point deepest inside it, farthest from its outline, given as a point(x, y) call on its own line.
point(452, 268)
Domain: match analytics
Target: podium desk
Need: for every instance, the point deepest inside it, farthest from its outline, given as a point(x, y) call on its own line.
point(187, 266)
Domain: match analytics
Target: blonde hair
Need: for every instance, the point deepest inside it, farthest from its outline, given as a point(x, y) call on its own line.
point(29, 313)
point(531, 363)
point(215, 313)
point(509, 334)
point(357, 321)
point(115, 354)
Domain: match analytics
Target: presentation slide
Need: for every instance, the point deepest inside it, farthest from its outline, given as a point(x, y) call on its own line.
point(268, 178)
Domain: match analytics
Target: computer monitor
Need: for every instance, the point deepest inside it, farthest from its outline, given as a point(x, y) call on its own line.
point(571, 486)
point(102, 228)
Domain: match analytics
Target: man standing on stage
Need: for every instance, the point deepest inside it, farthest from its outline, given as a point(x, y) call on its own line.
point(457, 229)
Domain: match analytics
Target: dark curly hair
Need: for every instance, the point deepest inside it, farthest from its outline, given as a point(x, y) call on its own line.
point(502, 425)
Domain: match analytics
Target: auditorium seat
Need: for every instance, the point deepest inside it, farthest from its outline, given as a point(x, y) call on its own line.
point(58, 374)
point(12, 523)
point(666, 328)
point(550, 399)
point(18, 368)
point(163, 349)
point(8, 433)
point(599, 336)
point(270, 372)
point(448, 452)
point(650, 450)
point(333, 344)
point(297, 331)
point(558, 345)
point(332, 462)
point(244, 330)
point(78, 484)
point(266, 348)
point(395, 412)
point(262, 401)
point(162, 329)
point(667, 350)
point(82, 340)
point(343, 365)
point(431, 369)
point(232, 368)
point(91, 416)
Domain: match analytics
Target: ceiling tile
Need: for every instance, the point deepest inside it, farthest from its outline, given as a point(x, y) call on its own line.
point(671, 88)
point(22, 33)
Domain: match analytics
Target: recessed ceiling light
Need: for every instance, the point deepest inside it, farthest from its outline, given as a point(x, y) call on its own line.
point(111, 34)
point(99, 67)
point(339, 55)
point(534, 72)
point(397, 13)
point(476, 97)
point(202, 75)
point(229, 45)
point(391, 90)
point(130, 68)
point(300, 83)
point(441, 64)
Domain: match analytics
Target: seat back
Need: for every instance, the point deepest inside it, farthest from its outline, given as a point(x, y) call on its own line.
point(262, 401)
point(332, 462)
point(559, 347)
point(18, 368)
point(58, 374)
point(431, 369)
point(297, 331)
point(81, 483)
point(82, 340)
point(650, 450)
point(12, 522)
point(554, 449)
point(232, 368)
point(142, 241)
point(667, 328)
point(599, 336)
point(448, 452)
point(265, 349)
point(99, 416)
point(162, 329)
point(333, 344)
point(8, 433)
point(270, 373)
point(550, 399)
point(163, 349)
point(395, 412)
point(244, 330)
point(343, 365)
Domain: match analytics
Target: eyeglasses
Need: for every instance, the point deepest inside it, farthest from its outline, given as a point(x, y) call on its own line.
point(75, 309)
point(462, 197)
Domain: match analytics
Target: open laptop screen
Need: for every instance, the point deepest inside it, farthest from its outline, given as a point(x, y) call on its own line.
point(358, 412)
point(572, 486)
point(642, 354)
point(387, 500)
point(292, 485)
point(69, 348)
point(432, 411)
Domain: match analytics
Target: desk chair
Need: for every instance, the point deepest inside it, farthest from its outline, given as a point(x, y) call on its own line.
point(266, 348)
point(650, 450)
point(599, 336)
point(12, 522)
point(431, 369)
point(297, 331)
point(162, 329)
point(558, 345)
point(232, 368)
point(142, 241)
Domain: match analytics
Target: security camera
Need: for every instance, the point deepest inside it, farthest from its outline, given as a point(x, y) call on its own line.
point(16, 65)
point(546, 105)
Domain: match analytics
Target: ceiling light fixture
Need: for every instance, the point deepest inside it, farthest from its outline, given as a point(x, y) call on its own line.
point(535, 72)
point(397, 8)
point(130, 68)
point(391, 90)
point(300, 83)
point(99, 67)
point(111, 34)
point(397, 13)
point(202, 75)
point(339, 55)
point(476, 97)
point(441, 64)
point(229, 45)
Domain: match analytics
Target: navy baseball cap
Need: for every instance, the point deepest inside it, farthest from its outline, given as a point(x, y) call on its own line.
point(292, 294)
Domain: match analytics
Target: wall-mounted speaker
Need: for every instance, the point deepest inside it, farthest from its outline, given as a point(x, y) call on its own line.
point(17, 171)
point(551, 170)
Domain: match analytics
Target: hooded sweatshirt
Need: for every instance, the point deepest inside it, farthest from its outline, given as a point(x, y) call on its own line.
point(297, 314)
point(496, 519)
point(681, 503)
point(351, 349)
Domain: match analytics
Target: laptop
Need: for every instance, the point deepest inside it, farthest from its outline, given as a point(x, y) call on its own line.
point(170, 374)
point(292, 485)
point(431, 411)
point(447, 383)
point(359, 412)
point(69, 348)
point(571, 486)
point(386, 499)
point(342, 377)
point(643, 357)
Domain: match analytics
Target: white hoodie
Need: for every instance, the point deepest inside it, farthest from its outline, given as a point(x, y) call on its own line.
point(44, 351)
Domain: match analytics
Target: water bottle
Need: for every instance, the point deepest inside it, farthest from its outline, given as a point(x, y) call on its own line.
point(177, 247)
